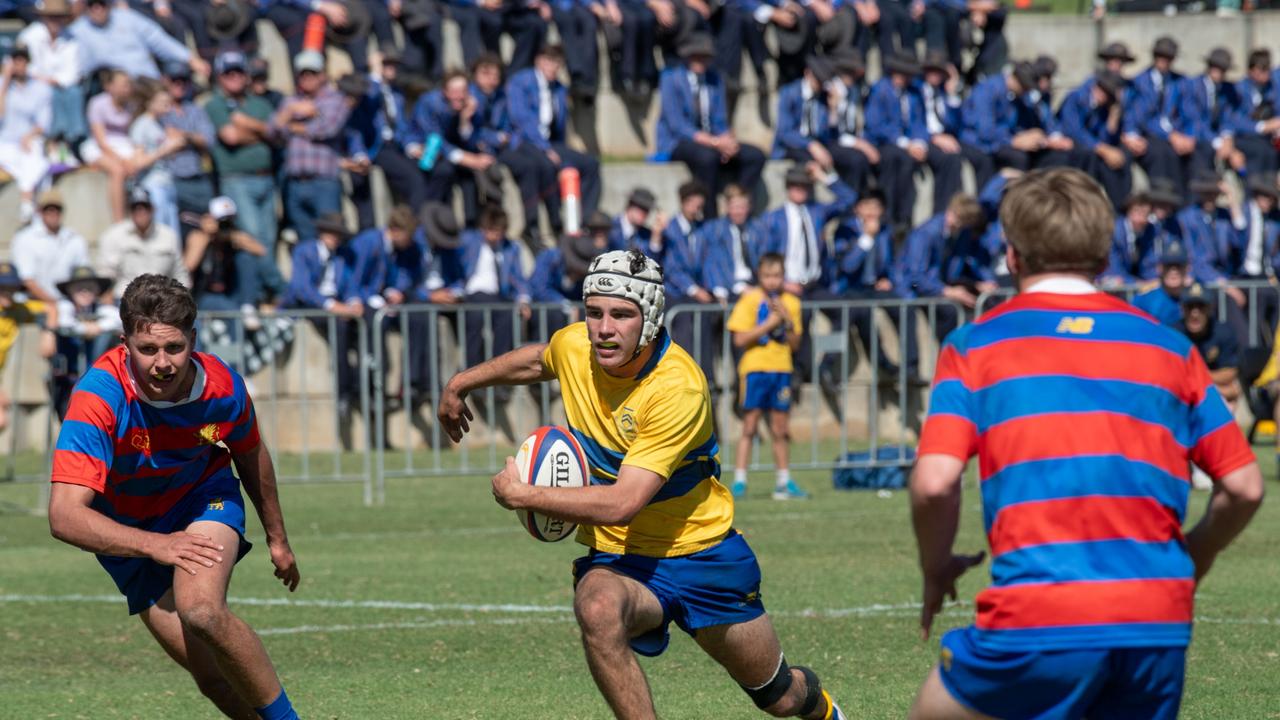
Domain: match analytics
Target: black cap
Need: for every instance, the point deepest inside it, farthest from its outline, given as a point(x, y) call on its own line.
point(1219, 58)
point(642, 198)
point(1165, 47)
point(176, 70)
point(1174, 254)
point(9, 278)
point(1116, 51)
point(258, 67)
point(1046, 66)
point(1197, 295)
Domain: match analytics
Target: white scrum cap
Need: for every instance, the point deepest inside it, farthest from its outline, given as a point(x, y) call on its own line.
point(629, 275)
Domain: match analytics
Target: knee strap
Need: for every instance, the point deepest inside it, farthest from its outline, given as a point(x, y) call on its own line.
point(813, 691)
point(772, 691)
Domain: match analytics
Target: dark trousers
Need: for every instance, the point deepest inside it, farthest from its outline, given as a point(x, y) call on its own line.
point(946, 169)
point(897, 177)
point(442, 178)
point(423, 53)
point(700, 332)
point(993, 53)
point(500, 329)
point(538, 180)
point(1260, 154)
point(403, 179)
point(984, 166)
point(1117, 182)
point(577, 28)
point(188, 16)
point(306, 199)
point(850, 164)
point(481, 30)
point(1161, 161)
point(896, 29)
point(291, 23)
point(359, 49)
point(193, 194)
point(636, 60)
point(705, 166)
point(344, 343)
point(942, 32)
point(727, 27)
point(863, 320)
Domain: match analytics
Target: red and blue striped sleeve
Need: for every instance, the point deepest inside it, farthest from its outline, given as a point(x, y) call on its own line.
point(243, 436)
point(86, 444)
point(1217, 445)
point(951, 428)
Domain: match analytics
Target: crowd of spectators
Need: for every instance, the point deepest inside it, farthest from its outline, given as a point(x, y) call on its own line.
point(196, 178)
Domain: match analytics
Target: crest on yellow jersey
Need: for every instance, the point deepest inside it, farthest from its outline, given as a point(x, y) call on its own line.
point(627, 424)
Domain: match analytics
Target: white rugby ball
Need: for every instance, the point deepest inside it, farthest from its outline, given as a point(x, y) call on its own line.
point(551, 457)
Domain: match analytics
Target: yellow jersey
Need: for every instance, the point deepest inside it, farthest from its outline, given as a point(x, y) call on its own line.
point(659, 420)
point(768, 355)
point(11, 320)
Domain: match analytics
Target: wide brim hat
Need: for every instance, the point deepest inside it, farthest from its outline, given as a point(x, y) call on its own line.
point(848, 62)
point(1165, 47)
point(1163, 192)
point(84, 273)
point(903, 63)
point(697, 45)
point(1205, 185)
point(359, 23)
point(1261, 186)
point(1116, 51)
point(821, 68)
point(795, 39)
point(578, 251)
point(440, 225)
point(936, 61)
point(1219, 58)
point(642, 198)
point(227, 20)
point(333, 224)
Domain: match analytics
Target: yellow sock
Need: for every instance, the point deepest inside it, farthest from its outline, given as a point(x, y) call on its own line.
point(831, 705)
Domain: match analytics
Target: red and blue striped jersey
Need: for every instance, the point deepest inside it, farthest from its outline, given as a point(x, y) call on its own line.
point(140, 458)
point(1084, 414)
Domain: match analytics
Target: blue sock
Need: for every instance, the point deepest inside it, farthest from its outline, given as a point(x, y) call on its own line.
point(279, 709)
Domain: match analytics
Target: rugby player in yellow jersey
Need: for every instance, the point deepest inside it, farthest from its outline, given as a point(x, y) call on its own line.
point(656, 517)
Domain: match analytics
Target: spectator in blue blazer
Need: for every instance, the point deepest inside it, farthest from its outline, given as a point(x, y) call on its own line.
point(798, 230)
point(1150, 120)
point(994, 124)
point(452, 113)
point(324, 279)
point(631, 228)
point(558, 274)
point(1161, 300)
point(493, 125)
point(942, 32)
point(940, 98)
point(539, 112)
point(895, 124)
point(734, 246)
point(693, 127)
point(1134, 251)
point(491, 274)
point(945, 258)
point(1255, 237)
point(1259, 95)
point(1091, 117)
point(804, 128)
point(1210, 113)
point(685, 255)
point(1206, 231)
point(481, 24)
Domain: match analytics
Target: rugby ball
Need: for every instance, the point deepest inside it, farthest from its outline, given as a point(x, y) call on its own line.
point(551, 457)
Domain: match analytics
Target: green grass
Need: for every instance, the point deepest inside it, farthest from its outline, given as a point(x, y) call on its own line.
point(444, 541)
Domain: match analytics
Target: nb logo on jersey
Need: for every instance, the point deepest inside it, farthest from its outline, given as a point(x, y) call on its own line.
point(209, 434)
point(215, 504)
point(1075, 326)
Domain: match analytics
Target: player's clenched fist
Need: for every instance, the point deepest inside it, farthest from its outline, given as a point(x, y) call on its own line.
point(186, 551)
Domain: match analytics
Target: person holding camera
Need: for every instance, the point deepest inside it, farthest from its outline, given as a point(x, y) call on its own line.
point(224, 264)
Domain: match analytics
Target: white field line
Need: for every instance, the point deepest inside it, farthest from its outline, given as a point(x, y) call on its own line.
point(410, 625)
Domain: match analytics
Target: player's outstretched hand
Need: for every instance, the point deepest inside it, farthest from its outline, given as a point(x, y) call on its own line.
point(941, 585)
point(454, 414)
point(286, 564)
point(187, 551)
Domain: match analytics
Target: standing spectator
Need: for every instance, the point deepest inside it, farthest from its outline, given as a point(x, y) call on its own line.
point(154, 144)
point(223, 263)
point(453, 114)
point(538, 150)
point(191, 123)
point(1259, 117)
point(1091, 117)
point(26, 108)
point(140, 246)
point(1162, 300)
point(422, 23)
point(323, 280)
point(87, 327)
point(630, 229)
point(944, 258)
point(377, 135)
point(1210, 114)
point(45, 252)
point(895, 123)
point(1134, 251)
point(123, 39)
point(1215, 340)
point(805, 132)
point(693, 127)
point(109, 148)
point(241, 153)
point(492, 275)
point(994, 125)
point(55, 59)
point(311, 121)
point(734, 245)
point(1151, 114)
point(481, 24)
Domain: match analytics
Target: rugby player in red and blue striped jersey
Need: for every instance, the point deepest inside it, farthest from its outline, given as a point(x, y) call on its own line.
point(1084, 414)
point(141, 477)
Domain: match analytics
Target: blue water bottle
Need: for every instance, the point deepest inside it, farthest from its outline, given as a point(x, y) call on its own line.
point(431, 152)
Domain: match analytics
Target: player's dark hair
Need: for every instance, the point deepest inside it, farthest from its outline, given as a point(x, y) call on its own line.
point(156, 299)
point(770, 259)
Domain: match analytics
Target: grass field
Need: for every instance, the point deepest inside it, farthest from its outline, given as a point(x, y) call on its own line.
point(438, 606)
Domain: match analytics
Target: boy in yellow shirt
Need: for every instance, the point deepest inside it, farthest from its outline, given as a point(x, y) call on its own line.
point(766, 323)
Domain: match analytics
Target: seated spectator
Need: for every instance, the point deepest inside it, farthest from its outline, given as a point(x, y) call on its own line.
point(693, 127)
point(538, 150)
point(1151, 120)
point(1216, 341)
point(940, 98)
point(311, 122)
point(1091, 117)
point(994, 125)
point(322, 280)
point(804, 131)
point(945, 258)
point(491, 274)
point(453, 115)
point(191, 125)
point(140, 246)
point(26, 109)
point(1162, 299)
point(493, 122)
point(895, 123)
point(45, 251)
point(734, 246)
point(377, 133)
point(559, 271)
point(1209, 113)
point(122, 39)
point(55, 59)
point(153, 146)
point(87, 327)
point(801, 30)
point(1259, 117)
point(241, 153)
point(630, 229)
point(14, 314)
point(1134, 251)
point(850, 148)
point(223, 262)
point(108, 147)
point(684, 257)
point(482, 23)
point(1253, 252)
point(1205, 228)
point(942, 31)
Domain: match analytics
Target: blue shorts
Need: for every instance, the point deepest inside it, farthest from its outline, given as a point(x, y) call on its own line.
point(716, 586)
point(1060, 684)
point(144, 581)
point(767, 391)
